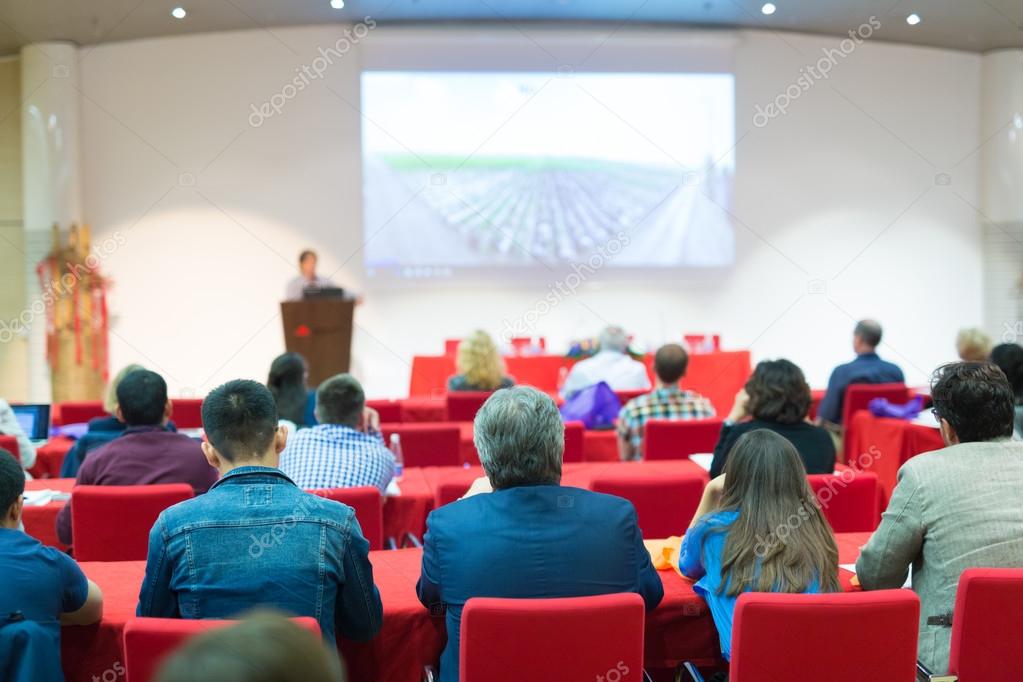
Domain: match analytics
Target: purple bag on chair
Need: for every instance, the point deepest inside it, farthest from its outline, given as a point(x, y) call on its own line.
point(595, 406)
point(880, 407)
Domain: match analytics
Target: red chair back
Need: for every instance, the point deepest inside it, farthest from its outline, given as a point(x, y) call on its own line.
point(450, 491)
point(858, 397)
point(463, 405)
point(148, 641)
point(578, 638)
point(626, 396)
point(451, 347)
point(427, 444)
point(368, 506)
point(525, 345)
point(575, 434)
point(679, 438)
point(10, 444)
point(112, 522)
point(389, 410)
point(985, 637)
point(849, 499)
point(78, 412)
point(783, 636)
point(665, 502)
point(187, 413)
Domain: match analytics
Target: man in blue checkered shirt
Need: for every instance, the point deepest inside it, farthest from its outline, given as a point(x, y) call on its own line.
point(346, 449)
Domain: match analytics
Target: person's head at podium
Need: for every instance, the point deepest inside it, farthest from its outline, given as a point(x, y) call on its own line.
point(307, 278)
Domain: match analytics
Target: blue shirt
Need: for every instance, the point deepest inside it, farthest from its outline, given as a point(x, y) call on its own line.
point(336, 456)
point(255, 539)
point(40, 582)
point(867, 368)
point(700, 558)
point(530, 541)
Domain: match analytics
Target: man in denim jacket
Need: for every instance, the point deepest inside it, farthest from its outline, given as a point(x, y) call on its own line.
point(256, 539)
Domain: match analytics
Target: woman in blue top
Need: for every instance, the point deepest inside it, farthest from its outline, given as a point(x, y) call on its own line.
point(758, 529)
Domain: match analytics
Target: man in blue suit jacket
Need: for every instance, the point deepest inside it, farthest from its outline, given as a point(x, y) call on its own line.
point(527, 536)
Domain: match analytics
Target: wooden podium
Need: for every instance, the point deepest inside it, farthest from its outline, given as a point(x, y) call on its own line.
point(320, 329)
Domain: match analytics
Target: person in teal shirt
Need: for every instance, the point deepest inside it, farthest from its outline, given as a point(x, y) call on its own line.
point(758, 529)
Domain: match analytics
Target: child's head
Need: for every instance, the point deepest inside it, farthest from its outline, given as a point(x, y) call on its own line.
point(781, 541)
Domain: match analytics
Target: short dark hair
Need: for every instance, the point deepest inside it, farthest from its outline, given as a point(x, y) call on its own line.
point(240, 419)
point(142, 398)
point(340, 400)
point(670, 363)
point(1009, 358)
point(305, 254)
point(869, 332)
point(12, 481)
point(975, 399)
point(778, 392)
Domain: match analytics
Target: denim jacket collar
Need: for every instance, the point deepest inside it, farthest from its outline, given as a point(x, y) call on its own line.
point(253, 474)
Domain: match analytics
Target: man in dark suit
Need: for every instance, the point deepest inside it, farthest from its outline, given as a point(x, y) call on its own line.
point(518, 533)
point(867, 368)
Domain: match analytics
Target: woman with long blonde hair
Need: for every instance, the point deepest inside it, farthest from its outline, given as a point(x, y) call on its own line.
point(479, 365)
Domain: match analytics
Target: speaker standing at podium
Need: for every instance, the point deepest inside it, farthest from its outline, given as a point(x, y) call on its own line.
point(307, 279)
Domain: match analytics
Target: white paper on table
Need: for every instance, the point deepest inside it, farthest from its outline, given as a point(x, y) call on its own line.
point(41, 498)
point(926, 418)
point(852, 569)
point(702, 459)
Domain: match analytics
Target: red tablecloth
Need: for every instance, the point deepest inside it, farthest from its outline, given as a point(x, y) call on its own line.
point(41, 522)
point(883, 445)
point(679, 629)
point(50, 457)
point(718, 376)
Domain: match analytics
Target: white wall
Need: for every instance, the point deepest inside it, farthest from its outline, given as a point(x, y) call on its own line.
point(841, 189)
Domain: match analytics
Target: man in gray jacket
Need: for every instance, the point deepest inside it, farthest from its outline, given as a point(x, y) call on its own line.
point(954, 508)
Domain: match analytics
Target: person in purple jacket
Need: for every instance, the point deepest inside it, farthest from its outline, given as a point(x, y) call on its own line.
point(147, 452)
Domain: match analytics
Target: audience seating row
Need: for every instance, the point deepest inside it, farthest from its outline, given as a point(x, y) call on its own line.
point(187, 412)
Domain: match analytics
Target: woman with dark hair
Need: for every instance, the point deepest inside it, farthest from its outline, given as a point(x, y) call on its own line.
point(1009, 358)
point(287, 382)
point(758, 529)
point(777, 398)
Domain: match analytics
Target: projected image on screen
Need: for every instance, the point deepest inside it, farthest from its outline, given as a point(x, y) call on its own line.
point(491, 171)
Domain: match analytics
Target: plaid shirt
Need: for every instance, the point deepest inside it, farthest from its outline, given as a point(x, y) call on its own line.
point(662, 403)
point(335, 456)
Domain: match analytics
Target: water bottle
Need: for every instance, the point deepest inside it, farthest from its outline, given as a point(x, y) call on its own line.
point(399, 460)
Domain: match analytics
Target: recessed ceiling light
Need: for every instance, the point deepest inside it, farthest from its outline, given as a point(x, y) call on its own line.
point(178, 12)
point(768, 8)
point(337, 4)
point(913, 19)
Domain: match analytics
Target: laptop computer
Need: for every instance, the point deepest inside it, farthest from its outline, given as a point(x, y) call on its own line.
point(34, 420)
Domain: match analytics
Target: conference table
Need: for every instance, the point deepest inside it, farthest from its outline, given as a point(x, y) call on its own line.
point(403, 513)
point(882, 445)
point(679, 629)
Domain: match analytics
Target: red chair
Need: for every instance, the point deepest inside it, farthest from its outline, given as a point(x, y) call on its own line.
point(841, 637)
point(849, 499)
point(389, 410)
point(187, 413)
point(147, 641)
point(985, 637)
point(451, 347)
point(679, 438)
point(578, 638)
point(858, 397)
point(463, 405)
point(664, 502)
point(526, 345)
point(450, 491)
point(368, 506)
point(626, 396)
point(112, 522)
point(427, 444)
point(10, 444)
point(575, 434)
point(78, 412)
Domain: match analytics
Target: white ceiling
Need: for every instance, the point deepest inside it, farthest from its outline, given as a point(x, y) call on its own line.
point(974, 25)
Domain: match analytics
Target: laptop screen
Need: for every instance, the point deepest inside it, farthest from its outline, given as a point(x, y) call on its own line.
point(34, 420)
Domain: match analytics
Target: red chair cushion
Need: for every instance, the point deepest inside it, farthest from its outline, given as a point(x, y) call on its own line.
point(580, 638)
point(463, 405)
point(147, 641)
point(664, 502)
point(427, 444)
point(368, 506)
point(112, 522)
point(187, 413)
point(849, 499)
point(843, 637)
point(679, 438)
point(985, 636)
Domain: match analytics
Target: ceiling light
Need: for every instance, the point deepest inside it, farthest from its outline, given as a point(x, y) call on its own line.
point(768, 8)
point(337, 4)
point(178, 12)
point(913, 19)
